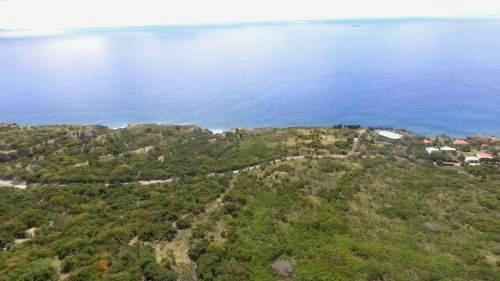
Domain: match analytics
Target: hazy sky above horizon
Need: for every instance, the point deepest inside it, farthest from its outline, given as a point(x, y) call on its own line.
point(46, 14)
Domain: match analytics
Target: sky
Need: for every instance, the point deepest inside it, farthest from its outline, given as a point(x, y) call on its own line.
point(55, 14)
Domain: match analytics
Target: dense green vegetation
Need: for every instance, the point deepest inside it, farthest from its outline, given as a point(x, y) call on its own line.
point(369, 209)
point(88, 227)
point(97, 154)
point(379, 221)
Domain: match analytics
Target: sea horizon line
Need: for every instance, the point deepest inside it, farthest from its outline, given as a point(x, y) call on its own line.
point(31, 32)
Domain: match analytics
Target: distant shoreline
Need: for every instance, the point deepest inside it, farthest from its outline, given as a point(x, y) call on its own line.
point(223, 130)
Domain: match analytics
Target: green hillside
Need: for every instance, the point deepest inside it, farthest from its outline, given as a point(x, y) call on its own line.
point(160, 203)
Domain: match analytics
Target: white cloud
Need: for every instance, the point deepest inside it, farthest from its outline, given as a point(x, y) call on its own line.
point(34, 14)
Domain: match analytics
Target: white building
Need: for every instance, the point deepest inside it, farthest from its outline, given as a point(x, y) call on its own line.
point(390, 135)
point(472, 160)
point(430, 150)
point(447, 148)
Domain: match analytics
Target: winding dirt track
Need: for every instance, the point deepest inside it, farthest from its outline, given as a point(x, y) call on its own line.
point(179, 246)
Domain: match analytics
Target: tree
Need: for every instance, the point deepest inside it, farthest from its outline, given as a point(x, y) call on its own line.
point(153, 272)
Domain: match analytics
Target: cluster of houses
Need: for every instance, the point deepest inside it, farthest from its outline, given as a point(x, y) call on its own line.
point(476, 160)
point(469, 158)
point(454, 152)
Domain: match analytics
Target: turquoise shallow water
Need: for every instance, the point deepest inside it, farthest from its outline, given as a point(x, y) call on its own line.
point(425, 75)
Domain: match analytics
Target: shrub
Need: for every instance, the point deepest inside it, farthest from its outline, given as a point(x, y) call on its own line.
point(183, 223)
point(40, 270)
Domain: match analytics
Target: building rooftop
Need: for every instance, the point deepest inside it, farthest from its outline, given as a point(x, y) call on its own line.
point(390, 135)
point(484, 155)
point(460, 142)
point(471, 158)
point(431, 149)
point(427, 141)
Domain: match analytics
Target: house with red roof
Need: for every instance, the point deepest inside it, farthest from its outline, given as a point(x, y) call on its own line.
point(460, 142)
point(427, 141)
point(484, 155)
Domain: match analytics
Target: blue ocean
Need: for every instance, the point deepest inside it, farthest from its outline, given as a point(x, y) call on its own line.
point(429, 76)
